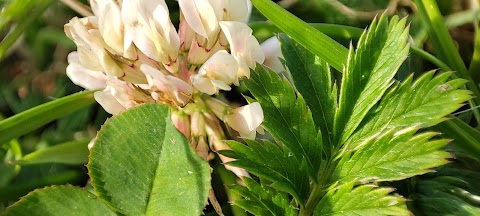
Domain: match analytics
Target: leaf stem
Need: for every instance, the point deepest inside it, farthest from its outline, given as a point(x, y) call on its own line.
point(318, 190)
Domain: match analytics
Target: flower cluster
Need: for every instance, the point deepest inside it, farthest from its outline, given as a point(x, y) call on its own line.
point(132, 51)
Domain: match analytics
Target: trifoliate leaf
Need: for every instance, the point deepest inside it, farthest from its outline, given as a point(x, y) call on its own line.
point(269, 161)
point(142, 165)
point(424, 103)
point(392, 156)
point(369, 72)
point(59, 201)
point(361, 200)
point(287, 117)
point(313, 79)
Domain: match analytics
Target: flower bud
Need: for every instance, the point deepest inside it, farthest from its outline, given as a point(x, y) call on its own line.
point(202, 148)
point(182, 123)
point(218, 107)
point(197, 124)
point(245, 119)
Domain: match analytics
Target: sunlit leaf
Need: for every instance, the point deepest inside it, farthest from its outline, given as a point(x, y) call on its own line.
point(392, 156)
point(361, 200)
point(269, 161)
point(59, 201)
point(369, 72)
point(142, 165)
point(424, 103)
point(287, 117)
point(313, 79)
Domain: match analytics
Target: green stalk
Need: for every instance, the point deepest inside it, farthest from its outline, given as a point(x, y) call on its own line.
point(319, 190)
point(465, 137)
point(26, 20)
point(318, 43)
point(25, 122)
point(443, 42)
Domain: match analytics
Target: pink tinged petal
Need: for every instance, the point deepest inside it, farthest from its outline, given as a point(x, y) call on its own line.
point(272, 51)
point(110, 23)
point(108, 101)
point(90, 46)
point(170, 86)
point(124, 94)
point(237, 34)
point(197, 124)
point(231, 10)
point(181, 121)
point(200, 51)
point(82, 76)
point(244, 47)
point(185, 33)
point(200, 15)
point(243, 71)
point(218, 107)
point(204, 85)
point(254, 52)
point(221, 66)
point(148, 26)
point(218, 72)
point(202, 149)
point(221, 85)
point(245, 119)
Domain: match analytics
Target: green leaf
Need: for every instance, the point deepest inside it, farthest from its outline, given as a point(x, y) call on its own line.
point(263, 30)
point(142, 165)
point(443, 43)
point(287, 117)
point(369, 72)
point(74, 152)
point(13, 192)
point(24, 13)
point(317, 42)
point(423, 104)
point(392, 156)
point(58, 201)
point(361, 200)
point(262, 200)
point(313, 79)
point(465, 136)
point(438, 198)
point(25, 122)
point(269, 161)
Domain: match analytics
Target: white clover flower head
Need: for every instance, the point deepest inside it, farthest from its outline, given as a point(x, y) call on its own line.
point(131, 50)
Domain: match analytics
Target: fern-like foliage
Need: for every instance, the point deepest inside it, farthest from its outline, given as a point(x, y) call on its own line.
point(269, 161)
point(331, 160)
point(288, 118)
point(369, 72)
point(361, 200)
point(263, 200)
point(421, 104)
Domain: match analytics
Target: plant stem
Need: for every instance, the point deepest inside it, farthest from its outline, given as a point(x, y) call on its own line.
point(319, 190)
